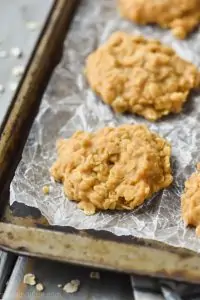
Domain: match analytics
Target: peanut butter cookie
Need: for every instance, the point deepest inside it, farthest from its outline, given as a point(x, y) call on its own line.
point(182, 16)
point(113, 168)
point(190, 201)
point(141, 76)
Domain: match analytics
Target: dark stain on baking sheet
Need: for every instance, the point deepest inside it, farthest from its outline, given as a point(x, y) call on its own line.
point(22, 215)
point(92, 246)
point(31, 216)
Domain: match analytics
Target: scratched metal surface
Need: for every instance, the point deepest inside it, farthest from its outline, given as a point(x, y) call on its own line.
point(14, 33)
point(7, 261)
point(110, 286)
point(145, 288)
point(17, 35)
point(14, 16)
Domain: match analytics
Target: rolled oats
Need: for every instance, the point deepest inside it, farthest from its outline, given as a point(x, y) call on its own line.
point(95, 275)
point(46, 189)
point(190, 201)
point(29, 279)
point(181, 16)
point(39, 287)
point(72, 286)
point(113, 168)
point(141, 76)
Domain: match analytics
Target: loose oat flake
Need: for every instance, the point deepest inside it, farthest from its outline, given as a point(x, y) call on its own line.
point(46, 189)
point(72, 286)
point(39, 287)
point(29, 279)
point(95, 275)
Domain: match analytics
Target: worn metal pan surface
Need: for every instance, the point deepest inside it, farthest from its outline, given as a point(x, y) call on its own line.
point(23, 230)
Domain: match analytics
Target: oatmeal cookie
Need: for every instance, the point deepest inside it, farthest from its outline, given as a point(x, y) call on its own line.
point(141, 76)
point(181, 16)
point(190, 201)
point(113, 168)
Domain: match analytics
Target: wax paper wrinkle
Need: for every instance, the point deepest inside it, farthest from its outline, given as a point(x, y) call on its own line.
point(70, 105)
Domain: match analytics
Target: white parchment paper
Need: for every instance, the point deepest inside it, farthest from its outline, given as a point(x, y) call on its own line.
point(159, 218)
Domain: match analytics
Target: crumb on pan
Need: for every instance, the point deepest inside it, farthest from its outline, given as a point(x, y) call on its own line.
point(29, 279)
point(72, 286)
point(46, 189)
point(95, 275)
point(39, 287)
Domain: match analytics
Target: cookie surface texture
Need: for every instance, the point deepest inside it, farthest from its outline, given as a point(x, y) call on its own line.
point(181, 16)
point(190, 201)
point(113, 168)
point(137, 75)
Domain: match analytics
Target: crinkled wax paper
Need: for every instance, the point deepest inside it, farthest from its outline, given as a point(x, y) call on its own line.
point(159, 218)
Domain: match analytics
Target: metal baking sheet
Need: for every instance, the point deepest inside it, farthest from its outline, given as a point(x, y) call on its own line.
point(19, 35)
point(22, 228)
point(110, 285)
point(159, 218)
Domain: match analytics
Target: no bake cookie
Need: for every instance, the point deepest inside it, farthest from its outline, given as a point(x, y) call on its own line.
point(181, 16)
point(113, 168)
point(141, 76)
point(190, 201)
